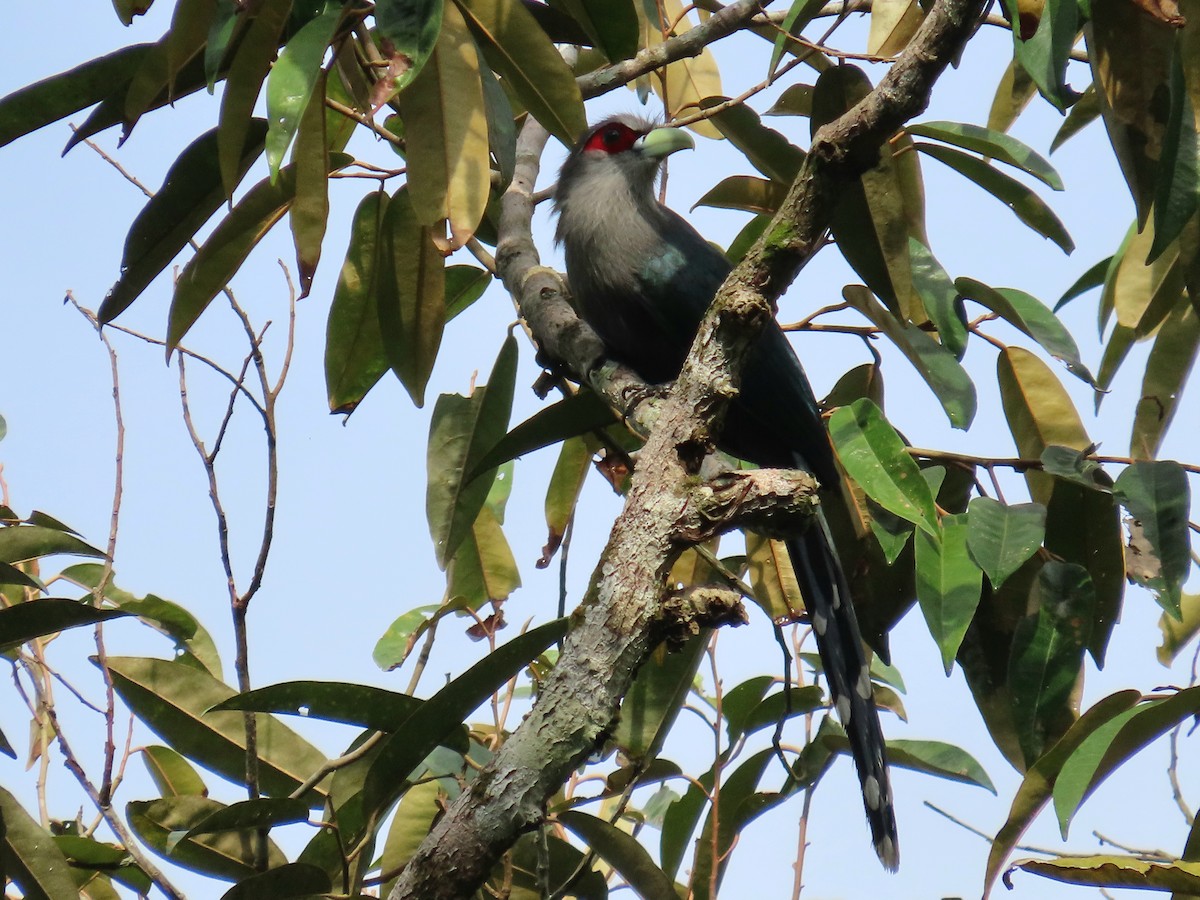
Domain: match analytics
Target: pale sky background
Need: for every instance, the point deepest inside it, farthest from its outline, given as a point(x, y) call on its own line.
point(352, 550)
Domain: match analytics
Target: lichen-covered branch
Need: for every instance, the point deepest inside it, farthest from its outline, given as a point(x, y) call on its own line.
point(619, 620)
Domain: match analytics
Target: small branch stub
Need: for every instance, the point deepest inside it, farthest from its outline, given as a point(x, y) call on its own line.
point(685, 613)
point(772, 502)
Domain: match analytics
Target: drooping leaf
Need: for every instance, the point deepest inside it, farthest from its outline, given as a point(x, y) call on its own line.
point(1170, 362)
point(464, 285)
point(687, 81)
point(937, 366)
point(309, 212)
point(799, 14)
point(411, 27)
point(461, 431)
point(893, 23)
point(518, 49)
point(415, 815)
point(1177, 185)
point(948, 584)
point(769, 568)
point(1047, 655)
point(1178, 633)
point(764, 148)
point(577, 414)
point(1045, 53)
point(220, 257)
point(47, 615)
point(621, 851)
point(1002, 537)
point(1158, 497)
point(1025, 204)
point(1013, 94)
point(448, 168)
point(875, 456)
point(354, 356)
point(992, 144)
point(1082, 113)
point(612, 25)
point(173, 699)
point(483, 569)
point(228, 855)
point(410, 295)
point(189, 196)
point(31, 858)
point(940, 297)
point(1039, 412)
point(1028, 314)
point(659, 690)
point(939, 759)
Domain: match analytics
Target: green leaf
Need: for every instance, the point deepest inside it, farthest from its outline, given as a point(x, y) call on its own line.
point(172, 774)
point(621, 851)
point(229, 855)
point(412, 27)
point(464, 285)
point(1036, 787)
point(940, 297)
point(48, 615)
point(19, 543)
point(220, 257)
point(1045, 54)
point(1013, 94)
point(796, 100)
point(518, 49)
point(993, 144)
point(411, 295)
point(1177, 634)
point(226, 22)
point(1025, 204)
point(940, 759)
point(1001, 537)
point(875, 456)
point(483, 569)
point(562, 493)
point(1170, 362)
point(31, 857)
point(401, 753)
point(764, 148)
point(309, 213)
point(1177, 187)
point(174, 700)
point(334, 701)
point(397, 642)
point(1026, 313)
point(248, 815)
point(653, 701)
point(189, 196)
point(1039, 412)
point(799, 14)
point(297, 880)
point(1119, 871)
point(612, 24)
point(415, 815)
point(570, 417)
point(354, 356)
point(1082, 113)
point(251, 62)
point(460, 432)
point(745, 192)
point(948, 585)
point(1047, 655)
point(1158, 497)
point(936, 365)
point(43, 102)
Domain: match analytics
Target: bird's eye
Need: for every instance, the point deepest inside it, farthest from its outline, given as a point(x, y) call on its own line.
point(612, 135)
point(612, 138)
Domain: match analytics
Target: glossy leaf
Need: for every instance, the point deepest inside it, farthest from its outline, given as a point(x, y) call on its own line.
point(518, 49)
point(173, 699)
point(764, 148)
point(949, 584)
point(220, 257)
point(1035, 790)
point(1002, 537)
point(577, 414)
point(461, 431)
point(1045, 53)
point(47, 615)
point(31, 857)
point(247, 71)
point(621, 851)
point(189, 196)
point(292, 79)
point(875, 456)
point(412, 28)
point(448, 168)
point(227, 855)
point(1039, 412)
point(745, 192)
point(1130, 55)
point(354, 356)
point(1025, 204)
point(43, 102)
point(1027, 313)
point(941, 760)
point(1047, 656)
point(991, 144)
point(1158, 497)
point(1170, 362)
point(297, 880)
point(939, 296)
point(936, 365)
point(172, 774)
point(19, 543)
point(411, 295)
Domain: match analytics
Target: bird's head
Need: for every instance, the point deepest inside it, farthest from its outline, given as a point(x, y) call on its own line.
point(622, 153)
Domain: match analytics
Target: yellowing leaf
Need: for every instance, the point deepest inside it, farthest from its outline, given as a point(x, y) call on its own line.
point(893, 23)
point(687, 81)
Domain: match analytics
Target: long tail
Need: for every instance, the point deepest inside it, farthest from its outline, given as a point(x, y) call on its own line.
point(827, 598)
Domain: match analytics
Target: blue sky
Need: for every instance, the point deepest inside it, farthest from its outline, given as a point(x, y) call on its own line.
point(352, 550)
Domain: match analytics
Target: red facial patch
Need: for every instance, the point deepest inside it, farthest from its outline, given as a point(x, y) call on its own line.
point(615, 137)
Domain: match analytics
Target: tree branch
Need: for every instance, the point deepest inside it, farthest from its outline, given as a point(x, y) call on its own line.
point(615, 626)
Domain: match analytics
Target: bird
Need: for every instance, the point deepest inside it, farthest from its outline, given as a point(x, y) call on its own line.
point(642, 277)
